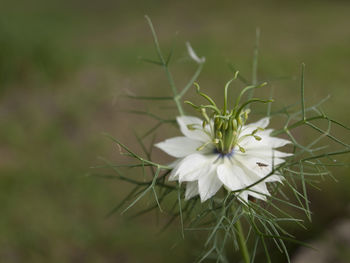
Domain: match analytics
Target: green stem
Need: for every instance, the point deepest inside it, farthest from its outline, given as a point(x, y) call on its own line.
point(302, 91)
point(242, 242)
point(255, 63)
point(297, 124)
point(165, 66)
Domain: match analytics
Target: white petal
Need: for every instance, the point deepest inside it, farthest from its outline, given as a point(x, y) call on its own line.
point(174, 163)
point(257, 189)
point(195, 134)
point(248, 129)
point(208, 184)
point(191, 190)
point(259, 166)
point(275, 142)
point(266, 141)
point(191, 167)
point(274, 178)
point(230, 176)
point(173, 175)
point(193, 55)
point(262, 123)
point(254, 190)
point(179, 146)
point(266, 153)
point(244, 196)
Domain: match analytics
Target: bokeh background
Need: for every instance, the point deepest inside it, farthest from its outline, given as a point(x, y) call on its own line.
point(64, 65)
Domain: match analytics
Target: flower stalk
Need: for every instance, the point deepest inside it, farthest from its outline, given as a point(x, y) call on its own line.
point(242, 242)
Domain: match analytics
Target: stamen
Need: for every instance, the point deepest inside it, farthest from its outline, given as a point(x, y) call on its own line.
point(191, 127)
point(241, 149)
point(203, 146)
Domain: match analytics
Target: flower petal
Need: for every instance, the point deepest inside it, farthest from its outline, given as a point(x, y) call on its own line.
point(259, 166)
point(262, 123)
point(191, 190)
point(266, 153)
point(259, 191)
point(275, 142)
point(267, 141)
point(249, 128)
point(193, 54)
point(243, 196)
point(197, 133)
point(179, 146)
point(230, 176)
point(174, 163)
point(274, 178)
point(208, 184)
point(191, 167)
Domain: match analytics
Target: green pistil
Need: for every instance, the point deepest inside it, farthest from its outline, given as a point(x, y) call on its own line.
point(225, 126)
point(226, 131)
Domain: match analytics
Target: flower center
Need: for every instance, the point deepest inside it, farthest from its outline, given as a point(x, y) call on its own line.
point(225, 125)
point(225, 133)
point(223, 155)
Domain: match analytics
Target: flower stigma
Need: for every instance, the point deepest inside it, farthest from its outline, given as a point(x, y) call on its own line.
point(225, 125)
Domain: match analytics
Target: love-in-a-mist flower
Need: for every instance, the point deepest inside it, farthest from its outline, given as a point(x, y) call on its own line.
point(222, 150)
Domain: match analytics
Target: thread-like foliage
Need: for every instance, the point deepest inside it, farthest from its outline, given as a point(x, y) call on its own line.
point(251, 226)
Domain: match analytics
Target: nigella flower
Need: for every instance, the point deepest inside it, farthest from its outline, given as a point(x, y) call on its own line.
point(206, 167)
point(222, 151)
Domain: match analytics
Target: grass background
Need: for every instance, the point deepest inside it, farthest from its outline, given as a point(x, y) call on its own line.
point(63, 66)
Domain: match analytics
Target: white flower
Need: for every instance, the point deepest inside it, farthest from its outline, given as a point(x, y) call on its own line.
point(205, 169)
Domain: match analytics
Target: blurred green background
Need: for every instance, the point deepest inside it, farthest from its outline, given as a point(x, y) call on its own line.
point(63, 66)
